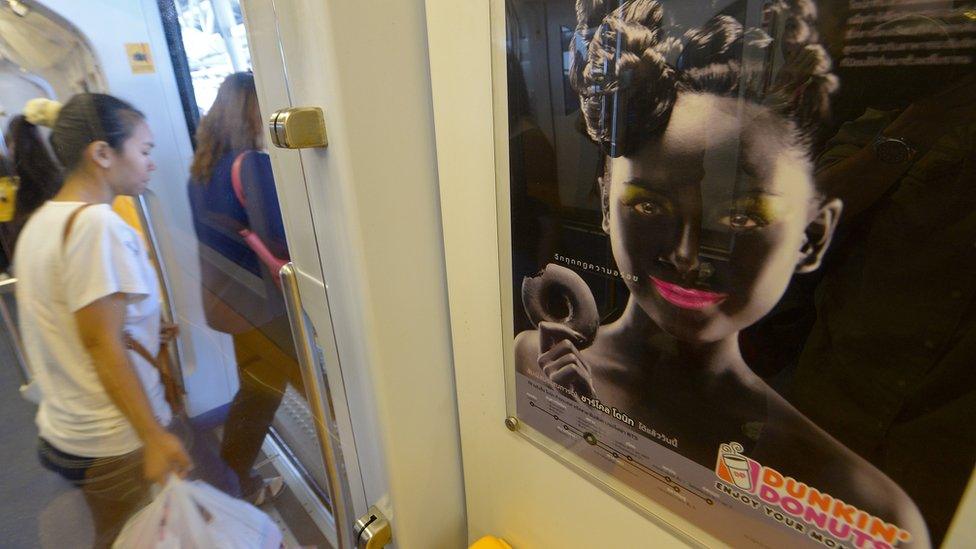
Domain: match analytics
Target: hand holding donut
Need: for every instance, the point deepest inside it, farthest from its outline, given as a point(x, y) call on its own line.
point(561, 306)
point(561, 361)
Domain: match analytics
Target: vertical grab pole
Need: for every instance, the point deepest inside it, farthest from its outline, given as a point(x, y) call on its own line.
point(319, 401)
point(168, 312)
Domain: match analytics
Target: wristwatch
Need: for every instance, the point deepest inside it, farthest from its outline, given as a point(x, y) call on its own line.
point(893, 150)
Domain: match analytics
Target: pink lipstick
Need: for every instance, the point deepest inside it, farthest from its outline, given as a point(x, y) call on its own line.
point(686, 298)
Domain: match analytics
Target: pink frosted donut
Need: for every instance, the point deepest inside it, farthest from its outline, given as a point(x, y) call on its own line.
point(557, 294)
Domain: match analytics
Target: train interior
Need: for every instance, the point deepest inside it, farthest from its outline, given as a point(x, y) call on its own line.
point(54, 49)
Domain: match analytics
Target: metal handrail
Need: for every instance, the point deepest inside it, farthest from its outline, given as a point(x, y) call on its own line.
point(318, 395)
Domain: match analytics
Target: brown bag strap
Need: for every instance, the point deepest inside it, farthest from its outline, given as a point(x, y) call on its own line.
point(170, 330)
point(70, 223)
point(140, 349)
point(173, 391)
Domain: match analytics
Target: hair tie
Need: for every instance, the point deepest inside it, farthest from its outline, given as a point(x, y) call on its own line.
point(42, 111)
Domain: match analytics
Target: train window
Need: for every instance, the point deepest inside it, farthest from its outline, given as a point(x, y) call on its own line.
point(207, 42)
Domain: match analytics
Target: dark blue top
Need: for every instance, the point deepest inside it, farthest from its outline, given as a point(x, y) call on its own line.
point(218, 215)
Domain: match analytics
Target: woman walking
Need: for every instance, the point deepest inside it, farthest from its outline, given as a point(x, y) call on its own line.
point(89, 309)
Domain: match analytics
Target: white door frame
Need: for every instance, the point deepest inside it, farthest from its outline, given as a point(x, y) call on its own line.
point(365, 228)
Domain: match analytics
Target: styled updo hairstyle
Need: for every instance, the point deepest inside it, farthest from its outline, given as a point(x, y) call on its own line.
point(90, 117)
point(628, 72)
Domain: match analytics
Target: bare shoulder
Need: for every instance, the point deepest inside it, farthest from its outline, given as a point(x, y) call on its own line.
point(802, 450)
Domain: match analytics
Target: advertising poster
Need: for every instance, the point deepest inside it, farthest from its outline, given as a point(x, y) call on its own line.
point(743, 240)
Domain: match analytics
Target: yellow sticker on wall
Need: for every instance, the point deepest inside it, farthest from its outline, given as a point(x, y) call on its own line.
point(140, 58)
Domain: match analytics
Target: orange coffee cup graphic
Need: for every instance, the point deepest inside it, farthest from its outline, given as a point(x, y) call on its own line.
point(737, 464)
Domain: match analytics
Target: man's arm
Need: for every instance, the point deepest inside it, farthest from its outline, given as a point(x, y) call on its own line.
point(862, 178)
point(859, 181)
point(101, 325)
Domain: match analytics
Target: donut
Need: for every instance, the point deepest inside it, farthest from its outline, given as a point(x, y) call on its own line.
point(557, 294)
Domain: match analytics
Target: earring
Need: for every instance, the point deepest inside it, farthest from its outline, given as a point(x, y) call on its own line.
point(807, 246)
point(705, 271)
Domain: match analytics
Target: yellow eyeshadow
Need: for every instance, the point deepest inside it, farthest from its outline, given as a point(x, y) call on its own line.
point(635, 194)
point(770, 208)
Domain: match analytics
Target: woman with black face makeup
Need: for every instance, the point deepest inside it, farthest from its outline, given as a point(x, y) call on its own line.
point(711, 206)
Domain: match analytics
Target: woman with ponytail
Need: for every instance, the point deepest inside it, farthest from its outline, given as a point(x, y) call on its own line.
point(38, 174)
point(89, 313)
point(710, 203)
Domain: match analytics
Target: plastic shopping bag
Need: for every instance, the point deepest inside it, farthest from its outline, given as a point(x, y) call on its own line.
point(195, 515)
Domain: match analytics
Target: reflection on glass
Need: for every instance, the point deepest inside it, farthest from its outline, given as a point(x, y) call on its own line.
point(215, 43)
point(769, 210)
point(238, 223)
point(43, 57)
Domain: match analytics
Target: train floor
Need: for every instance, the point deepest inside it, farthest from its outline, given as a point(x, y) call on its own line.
point(43, 510)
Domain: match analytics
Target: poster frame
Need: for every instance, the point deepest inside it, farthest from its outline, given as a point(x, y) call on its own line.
point(681, 526)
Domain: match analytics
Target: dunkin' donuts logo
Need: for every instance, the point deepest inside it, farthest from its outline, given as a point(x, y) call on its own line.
point(822, 517)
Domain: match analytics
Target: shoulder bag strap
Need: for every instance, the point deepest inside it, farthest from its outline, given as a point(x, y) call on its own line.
point(172, 391)
point(251, 238)
point(235, 178)
point(169, 385)
point(70, 223)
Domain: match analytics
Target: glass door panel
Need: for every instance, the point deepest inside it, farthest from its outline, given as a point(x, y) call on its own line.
point(212, 221)
point(242, 294)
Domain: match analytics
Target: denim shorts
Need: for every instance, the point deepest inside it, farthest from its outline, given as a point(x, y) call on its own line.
point(78, 469)
point(71, 467)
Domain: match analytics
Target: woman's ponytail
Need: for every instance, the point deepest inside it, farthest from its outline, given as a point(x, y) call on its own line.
point(42, 111)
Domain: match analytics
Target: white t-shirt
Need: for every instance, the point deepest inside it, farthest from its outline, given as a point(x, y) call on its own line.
point(101, 256)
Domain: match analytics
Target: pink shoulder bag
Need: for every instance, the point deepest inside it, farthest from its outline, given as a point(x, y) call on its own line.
point(253, 241)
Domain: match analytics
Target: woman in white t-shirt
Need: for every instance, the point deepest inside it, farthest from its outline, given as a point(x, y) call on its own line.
point(84, 282)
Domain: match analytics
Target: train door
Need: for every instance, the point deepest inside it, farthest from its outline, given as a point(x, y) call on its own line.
point(370, 255)
point(362, 417)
